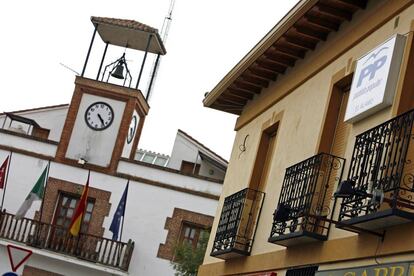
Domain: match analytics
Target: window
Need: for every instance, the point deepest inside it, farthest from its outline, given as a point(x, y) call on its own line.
point(183, 225)
point(148, 158)
point(161, 161)
point(191, 233)
point(66, 208)
point(138, 155)
point(305, 271)
point(190, 167)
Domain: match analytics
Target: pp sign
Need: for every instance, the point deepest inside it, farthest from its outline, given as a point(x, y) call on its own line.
point(375, 79)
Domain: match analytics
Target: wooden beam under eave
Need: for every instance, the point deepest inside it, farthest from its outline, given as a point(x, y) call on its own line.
point(249, 77)
point(299, 43)
point(308, 32)
point(333, 12)
point(322, 23)
point(289, 52)
point(232, 110)
point(263, 73)
point(267, 66)
point(356, 4)
point(280, 67)
point(234, 99)
point(247, 86)
point(227, 103)
point(243, 89)
point(240, 93)
point(278, 59)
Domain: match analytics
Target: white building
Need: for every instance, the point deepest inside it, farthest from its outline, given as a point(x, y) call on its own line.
point(98, 133)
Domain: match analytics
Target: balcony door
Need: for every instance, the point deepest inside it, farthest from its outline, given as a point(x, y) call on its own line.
point(342, 129)
point(65, 211)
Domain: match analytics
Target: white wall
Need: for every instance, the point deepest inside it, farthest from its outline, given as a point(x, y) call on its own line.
point(171, 178)
point(147, 207)
point(91, 145)
point(184, 149)
point(28, 144)
point(50, 118)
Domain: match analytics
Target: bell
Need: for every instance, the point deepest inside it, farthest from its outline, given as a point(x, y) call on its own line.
point(119, 71)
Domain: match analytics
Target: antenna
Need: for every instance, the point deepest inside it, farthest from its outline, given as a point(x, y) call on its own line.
point(164, 35)
point(67, 67)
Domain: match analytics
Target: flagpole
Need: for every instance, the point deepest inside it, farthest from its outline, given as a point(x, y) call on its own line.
point(83, 213)
point(123, 216)
point(44, 192)
point(5, 182)
point(86, 204)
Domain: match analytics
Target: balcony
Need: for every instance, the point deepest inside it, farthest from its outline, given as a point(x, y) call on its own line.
point(87, 247)
point(237, 225)
point(381, 177)
point(304, 203)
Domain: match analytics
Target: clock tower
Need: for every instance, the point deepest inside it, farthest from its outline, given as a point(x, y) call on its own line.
point(106, 114)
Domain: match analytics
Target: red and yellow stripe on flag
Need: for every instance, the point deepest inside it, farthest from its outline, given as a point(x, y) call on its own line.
point(77, 218)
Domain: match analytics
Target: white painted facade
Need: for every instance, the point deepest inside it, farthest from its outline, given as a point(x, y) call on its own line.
point(51, 118)
point(188, 149)
point(147, 208)
point(94, 146)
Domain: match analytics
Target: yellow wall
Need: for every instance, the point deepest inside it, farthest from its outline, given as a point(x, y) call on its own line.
point(301, 113)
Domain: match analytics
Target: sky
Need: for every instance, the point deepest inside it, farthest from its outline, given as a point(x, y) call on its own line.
point(205, 41)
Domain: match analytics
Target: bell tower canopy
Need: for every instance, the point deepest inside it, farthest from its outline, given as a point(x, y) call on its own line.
point(132, 36)
point(128, 33)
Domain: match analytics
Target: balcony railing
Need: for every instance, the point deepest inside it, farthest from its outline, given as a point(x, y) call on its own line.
point(382, 176)
point(237, 225)
point(57, 239)
point(305, 199)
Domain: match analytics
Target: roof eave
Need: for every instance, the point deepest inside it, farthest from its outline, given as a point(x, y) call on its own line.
point(275, 33)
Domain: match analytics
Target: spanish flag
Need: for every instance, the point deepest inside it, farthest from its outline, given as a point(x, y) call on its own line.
point(75, 225)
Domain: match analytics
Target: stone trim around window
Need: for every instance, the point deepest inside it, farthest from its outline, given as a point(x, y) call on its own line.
point(34, 271)
point(173, 225)
point(100, 210)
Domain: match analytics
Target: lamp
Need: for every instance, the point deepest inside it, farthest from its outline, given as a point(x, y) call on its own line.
point(282, 212)
point(377, 196)
point(82, 161)
point(345, 189)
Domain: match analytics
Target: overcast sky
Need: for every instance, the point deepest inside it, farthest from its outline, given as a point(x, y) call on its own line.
point(205, 41)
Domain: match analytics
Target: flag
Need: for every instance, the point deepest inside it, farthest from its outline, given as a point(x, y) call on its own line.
point(75, 224)
point(3, 170)
point(120, 212)
point(35, 194)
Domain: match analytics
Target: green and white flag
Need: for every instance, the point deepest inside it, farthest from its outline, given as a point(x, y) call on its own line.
point(35, 194)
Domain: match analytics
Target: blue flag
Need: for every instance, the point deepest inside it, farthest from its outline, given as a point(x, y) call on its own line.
point(120, 212)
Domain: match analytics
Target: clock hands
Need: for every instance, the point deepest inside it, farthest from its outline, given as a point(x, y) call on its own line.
point(100, 119)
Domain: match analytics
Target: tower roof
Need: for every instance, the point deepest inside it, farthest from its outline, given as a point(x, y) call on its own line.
point(128, 33)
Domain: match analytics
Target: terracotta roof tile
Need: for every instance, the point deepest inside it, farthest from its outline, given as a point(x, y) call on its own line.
point(132, 24)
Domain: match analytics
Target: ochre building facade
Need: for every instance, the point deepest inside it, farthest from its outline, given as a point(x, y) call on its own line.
point(320, 180)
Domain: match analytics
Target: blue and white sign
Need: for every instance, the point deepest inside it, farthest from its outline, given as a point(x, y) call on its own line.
point(375, 79)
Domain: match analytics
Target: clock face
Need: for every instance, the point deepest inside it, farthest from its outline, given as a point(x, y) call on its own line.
point(99, 116)
point(132, 128)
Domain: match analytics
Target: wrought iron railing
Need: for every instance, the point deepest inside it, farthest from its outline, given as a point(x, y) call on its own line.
point(237, 225)
point(55, 238)
point(305, 198)
point(382, 164)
